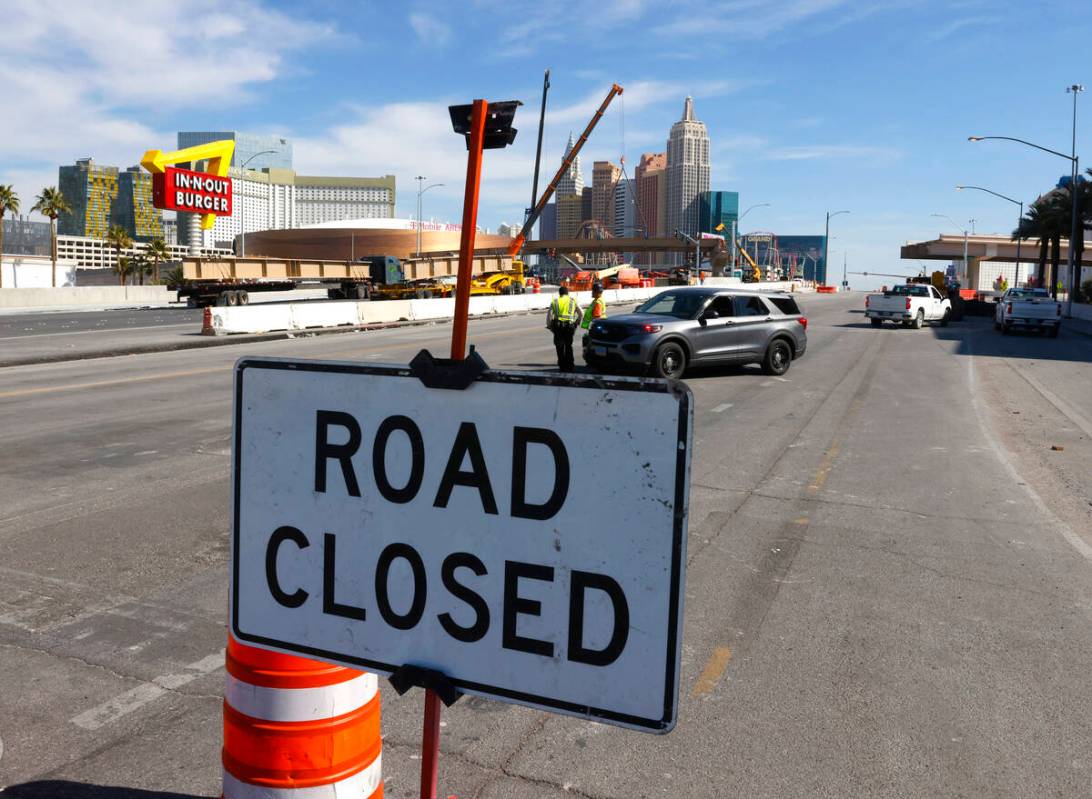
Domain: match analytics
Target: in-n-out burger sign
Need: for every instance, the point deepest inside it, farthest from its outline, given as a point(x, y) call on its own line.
point(207, 193)
point(177, 189)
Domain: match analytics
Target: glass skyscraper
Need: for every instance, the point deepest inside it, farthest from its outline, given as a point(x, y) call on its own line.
point(276, 152)
point(719, 208)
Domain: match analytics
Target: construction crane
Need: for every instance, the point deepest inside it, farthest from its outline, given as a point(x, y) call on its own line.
point(512, 281)
point(548, 192)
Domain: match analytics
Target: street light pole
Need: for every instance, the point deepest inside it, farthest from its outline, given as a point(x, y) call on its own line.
point(1019, 221)
point(420, 192)
point(1075, 89)
point(1074, 163)
point(242, 219)
point(826, 239)
point(737, 228)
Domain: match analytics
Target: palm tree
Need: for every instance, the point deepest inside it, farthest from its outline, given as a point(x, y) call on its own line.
point(122, 267)
point(9, 201)
point(1032, 226)
point(158, 251)
point(139, 266)
point(52, 203)
point(118, 238)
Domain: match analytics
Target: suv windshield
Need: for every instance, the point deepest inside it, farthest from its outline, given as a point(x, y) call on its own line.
point(680, 304)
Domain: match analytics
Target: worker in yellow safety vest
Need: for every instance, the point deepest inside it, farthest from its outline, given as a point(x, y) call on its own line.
point(597, 309)
point(561, 321)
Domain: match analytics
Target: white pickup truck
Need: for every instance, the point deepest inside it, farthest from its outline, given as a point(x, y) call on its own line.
point(910, 304)
point(1028, 309)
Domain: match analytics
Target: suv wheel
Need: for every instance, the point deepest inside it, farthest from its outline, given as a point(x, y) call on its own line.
point(778, 358)
point(669, 361)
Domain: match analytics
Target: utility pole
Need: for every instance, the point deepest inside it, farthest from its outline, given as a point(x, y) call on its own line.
point(420, 182)
point(826, 240)
point(1075, 89)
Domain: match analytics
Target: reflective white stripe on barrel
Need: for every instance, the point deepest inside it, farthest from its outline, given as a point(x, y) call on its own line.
point(300, 704)
point(359, 786)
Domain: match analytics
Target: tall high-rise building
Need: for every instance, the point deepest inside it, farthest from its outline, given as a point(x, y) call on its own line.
point(604, 178)
point(569, 215)
point(687, 172)
point(90, 190)
point(255, 151)
point(547, 223)
point(102, 196)
point(651, 185)
point(586, 204)
point(572, 182)
point(133, 208)
point(651, 190)
point(625, 211)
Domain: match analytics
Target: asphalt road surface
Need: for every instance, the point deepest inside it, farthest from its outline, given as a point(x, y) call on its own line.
point(62, 323)
point(889, 581)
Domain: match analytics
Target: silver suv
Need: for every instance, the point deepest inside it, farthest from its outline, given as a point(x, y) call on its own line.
point(699, 326)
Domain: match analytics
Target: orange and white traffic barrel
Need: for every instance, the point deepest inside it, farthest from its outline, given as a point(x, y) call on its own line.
point(296, 728)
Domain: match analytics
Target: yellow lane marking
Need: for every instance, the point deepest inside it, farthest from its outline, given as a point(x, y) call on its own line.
point(713, 671)
point(825, 465)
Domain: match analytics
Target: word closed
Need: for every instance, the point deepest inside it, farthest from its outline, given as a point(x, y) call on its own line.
point(518, 536)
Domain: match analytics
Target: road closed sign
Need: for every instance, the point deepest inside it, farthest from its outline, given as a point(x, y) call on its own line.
point(524, 537)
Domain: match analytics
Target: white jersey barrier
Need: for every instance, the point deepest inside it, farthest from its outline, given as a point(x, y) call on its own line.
point(347, 313)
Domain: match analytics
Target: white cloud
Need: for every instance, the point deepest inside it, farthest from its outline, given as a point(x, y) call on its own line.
point(816, 152)
point(956, 25)
point(81, 79)
point(430, 31)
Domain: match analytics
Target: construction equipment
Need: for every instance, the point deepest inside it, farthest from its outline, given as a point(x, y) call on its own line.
point(754, 275)
point(230, 281)
point(566, 162)
point(611, 277)
point(511, 281)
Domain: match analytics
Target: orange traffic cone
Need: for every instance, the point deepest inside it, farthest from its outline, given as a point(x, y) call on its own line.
point(296, 728)
point(206, 323)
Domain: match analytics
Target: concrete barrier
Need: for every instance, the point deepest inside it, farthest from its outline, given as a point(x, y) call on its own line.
point(83, 295)
point(302, 316)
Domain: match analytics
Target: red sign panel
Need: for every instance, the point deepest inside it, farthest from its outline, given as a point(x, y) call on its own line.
point(195, 192)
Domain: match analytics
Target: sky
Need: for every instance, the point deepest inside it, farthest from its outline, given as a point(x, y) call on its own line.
point(811, 105)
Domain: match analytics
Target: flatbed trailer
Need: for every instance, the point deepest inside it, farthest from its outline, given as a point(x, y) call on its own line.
point(231, 281)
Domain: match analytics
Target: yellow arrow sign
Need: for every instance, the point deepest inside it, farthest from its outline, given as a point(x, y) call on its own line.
point(217, 153)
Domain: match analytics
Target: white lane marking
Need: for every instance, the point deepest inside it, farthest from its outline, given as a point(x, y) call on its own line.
point(113, 709)
point(722, 407)
point(111, 330)
point(999, 451)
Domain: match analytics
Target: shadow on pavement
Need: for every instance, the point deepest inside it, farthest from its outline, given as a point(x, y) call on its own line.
point(976, 336)
point(64, 789)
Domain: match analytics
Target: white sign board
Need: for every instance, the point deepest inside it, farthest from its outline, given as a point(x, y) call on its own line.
point(525, 536)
